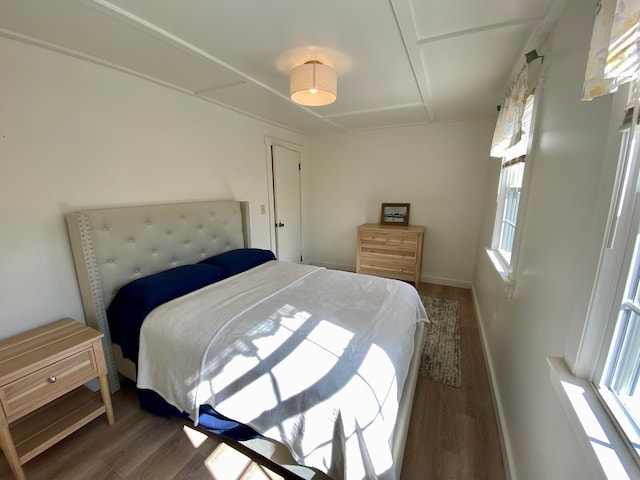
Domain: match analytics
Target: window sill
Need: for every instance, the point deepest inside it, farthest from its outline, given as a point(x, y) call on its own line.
point(596, 432)
point(502, 269)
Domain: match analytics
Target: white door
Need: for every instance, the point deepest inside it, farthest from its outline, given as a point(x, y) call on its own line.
point(286, 203)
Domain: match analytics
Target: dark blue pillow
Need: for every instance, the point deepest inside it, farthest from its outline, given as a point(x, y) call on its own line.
point(133, 302)
point(237, 261)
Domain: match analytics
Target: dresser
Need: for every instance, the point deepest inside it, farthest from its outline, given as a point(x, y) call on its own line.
point(390, 251)
point(42, 392)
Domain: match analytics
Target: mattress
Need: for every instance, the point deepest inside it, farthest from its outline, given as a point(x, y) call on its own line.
point(315, 359)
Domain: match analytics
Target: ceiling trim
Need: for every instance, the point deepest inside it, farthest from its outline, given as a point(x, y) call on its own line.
point(89, 58)
point(148, 27)
point(538, 37)
point(374, 110)
point(203, 91)
point(11, 35)
point(486, 28)
point(404, 21)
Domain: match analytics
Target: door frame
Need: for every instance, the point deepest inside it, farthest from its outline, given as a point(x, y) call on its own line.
point(296, 147)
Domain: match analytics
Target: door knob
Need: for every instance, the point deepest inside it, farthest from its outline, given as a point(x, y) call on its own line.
point(281, 224)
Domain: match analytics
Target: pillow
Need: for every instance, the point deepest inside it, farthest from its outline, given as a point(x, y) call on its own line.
point(237, 261)
point(135, 300)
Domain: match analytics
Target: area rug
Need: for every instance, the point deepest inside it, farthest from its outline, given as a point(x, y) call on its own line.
point(441, 352)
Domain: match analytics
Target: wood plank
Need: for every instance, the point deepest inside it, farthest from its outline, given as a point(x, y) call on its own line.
point(54, 422)
point(38, 347)
point(455, 429)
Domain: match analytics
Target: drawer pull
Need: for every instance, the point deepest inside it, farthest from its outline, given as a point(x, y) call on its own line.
point(52, 379)
point(401, 241)
point(371, 251)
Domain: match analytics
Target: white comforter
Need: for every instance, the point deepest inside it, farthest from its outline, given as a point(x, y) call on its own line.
point(313, 358)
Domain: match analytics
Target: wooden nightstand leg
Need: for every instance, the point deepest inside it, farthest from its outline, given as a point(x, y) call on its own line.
point(103, 380)
point(10, 453)
point(106, 398)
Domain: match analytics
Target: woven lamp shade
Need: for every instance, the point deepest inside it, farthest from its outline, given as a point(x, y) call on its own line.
point(313, 84)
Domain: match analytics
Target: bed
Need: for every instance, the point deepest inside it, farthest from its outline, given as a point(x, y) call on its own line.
point(333, 356)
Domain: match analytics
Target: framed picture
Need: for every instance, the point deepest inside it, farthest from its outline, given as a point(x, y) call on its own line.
point(395, 214)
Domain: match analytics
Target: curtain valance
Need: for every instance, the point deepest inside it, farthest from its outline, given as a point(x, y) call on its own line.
point(509, 125)
point(614, 55)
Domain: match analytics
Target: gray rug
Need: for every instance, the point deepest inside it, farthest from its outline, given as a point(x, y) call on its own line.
point(441, 352)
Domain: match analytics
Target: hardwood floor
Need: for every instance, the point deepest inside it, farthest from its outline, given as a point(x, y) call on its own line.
point(453, 433)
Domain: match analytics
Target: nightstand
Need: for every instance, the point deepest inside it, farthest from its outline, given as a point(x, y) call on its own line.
point(42, 392)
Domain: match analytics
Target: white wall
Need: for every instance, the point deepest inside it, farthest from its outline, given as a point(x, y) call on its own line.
point(438, 169)
point(571, 181)
point(76, 135)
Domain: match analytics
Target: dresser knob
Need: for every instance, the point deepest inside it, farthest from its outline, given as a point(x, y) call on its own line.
point(52, 379)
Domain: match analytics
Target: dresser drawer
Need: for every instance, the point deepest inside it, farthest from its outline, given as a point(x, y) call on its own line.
point(39, 387)
point(374, 239)
point(388, 271)
point(404, 241)
point(389, 266)
point(368, 254)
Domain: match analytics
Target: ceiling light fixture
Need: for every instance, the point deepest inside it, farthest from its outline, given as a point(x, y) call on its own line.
point(313, 84)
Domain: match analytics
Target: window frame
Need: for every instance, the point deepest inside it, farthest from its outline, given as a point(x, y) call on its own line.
point(622, 241)
point(506, 267)
point(600, 408)
point(501, 213)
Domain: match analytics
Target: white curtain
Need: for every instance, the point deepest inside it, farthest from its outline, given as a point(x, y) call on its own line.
point(614, 56)
point(509, 126)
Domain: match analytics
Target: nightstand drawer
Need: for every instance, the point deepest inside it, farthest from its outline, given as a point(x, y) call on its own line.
point(41, 386)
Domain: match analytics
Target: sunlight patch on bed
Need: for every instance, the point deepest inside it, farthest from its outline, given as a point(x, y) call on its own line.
point(379, 374)
point(314, 357)
point(361, 423)
point(246, 353)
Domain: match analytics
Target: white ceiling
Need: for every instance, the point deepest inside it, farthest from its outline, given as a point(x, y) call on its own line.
point(399, 62)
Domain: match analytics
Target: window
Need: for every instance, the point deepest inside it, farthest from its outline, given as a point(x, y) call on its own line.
point(509, 198)
point(510, 191)
point(617, 373)
point(600, 392)
point(600, 388)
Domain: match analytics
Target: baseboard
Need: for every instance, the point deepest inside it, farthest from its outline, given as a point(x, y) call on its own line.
point(448, 282)
point(505, 444)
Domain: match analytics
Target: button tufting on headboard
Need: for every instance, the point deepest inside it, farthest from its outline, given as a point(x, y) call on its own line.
point(113, 246)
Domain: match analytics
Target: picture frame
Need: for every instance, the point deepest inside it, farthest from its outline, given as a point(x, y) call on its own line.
point(395, 214)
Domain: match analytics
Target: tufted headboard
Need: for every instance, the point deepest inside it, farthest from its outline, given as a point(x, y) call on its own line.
point(113, 246)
